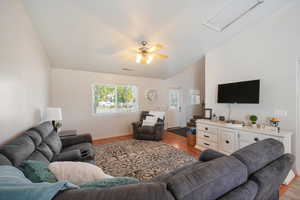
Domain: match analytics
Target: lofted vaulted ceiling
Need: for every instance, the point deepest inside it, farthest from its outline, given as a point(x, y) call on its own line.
point(98, 35)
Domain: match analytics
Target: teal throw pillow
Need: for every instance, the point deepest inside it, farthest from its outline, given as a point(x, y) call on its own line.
point(109, 183)
point(37, 171)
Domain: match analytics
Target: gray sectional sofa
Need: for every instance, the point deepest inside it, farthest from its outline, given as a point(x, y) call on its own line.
point(252, 173)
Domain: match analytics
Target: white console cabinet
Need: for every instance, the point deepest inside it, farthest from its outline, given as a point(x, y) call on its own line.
point(226, 139)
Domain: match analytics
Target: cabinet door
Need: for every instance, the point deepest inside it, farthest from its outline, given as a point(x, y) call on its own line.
point(227, 141)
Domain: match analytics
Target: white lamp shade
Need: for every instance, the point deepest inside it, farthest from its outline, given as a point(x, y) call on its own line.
point(53, 114)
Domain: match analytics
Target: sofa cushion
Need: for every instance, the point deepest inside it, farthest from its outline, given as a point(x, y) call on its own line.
point(38, 156)
point(77, 172)
point(44, 129)
point(270, 177)
point(258, 155)
point(54, 142)
point(109, 183)
point(208, 180)
point(246, 191)
point(149, 191)
point(37, 171)
point(45, 150)
point(35, 136)
point(167, 176)
point(18, 149)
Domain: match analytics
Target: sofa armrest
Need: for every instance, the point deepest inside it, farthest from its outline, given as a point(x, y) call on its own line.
point(272, 176)
point(210, 154)
point(72, 140)
point(143, 191)
point(73, 155)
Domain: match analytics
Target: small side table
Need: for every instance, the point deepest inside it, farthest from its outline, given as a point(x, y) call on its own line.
point(67, 133)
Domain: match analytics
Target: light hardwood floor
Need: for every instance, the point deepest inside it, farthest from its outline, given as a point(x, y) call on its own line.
point(176, 141)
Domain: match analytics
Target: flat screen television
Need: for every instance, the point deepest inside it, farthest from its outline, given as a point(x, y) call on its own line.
point(246, 92)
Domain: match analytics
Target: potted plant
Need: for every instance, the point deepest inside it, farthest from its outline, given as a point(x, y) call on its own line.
point(253, 119)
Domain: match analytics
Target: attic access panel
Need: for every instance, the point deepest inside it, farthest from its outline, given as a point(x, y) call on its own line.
point(231, 13)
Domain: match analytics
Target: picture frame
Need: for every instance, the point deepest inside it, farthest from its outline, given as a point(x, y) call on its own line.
point(207, 113)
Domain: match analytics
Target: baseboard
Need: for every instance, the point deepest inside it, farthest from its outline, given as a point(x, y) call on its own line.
point(100, 140)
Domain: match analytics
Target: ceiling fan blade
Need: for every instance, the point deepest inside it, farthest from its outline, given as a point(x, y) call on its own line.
point(160, 56)
point(156, 47)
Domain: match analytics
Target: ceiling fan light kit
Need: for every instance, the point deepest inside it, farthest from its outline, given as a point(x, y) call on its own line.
point(145, 53)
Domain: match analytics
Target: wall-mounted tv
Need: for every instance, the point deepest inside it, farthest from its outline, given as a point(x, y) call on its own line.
point(240, 92)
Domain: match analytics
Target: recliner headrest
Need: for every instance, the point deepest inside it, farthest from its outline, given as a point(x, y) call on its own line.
point(260, 154)
point(44, 129)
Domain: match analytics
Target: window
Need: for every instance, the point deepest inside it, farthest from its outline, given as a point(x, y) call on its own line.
point(114, 98)
point(173, 99)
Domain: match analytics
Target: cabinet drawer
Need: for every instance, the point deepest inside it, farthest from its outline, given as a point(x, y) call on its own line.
point(227, 141)
point(207, 129)
point(253, 137)
point(207, 144)
point(208, 136)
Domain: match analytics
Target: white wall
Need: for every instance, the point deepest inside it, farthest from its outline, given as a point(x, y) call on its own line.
point(269, 52)
point(24, 70)
point(71, 90)
point(192, 78)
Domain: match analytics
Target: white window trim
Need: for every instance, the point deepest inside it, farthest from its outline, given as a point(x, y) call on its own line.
point(114, 111)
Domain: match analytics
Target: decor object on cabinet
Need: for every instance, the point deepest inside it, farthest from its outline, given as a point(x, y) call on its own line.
point(274, 122)
point(253, 119)
point(222, 118)
point(207, 113)
point(151, 95)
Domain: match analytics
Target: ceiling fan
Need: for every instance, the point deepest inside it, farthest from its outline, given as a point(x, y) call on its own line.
point(145, 54)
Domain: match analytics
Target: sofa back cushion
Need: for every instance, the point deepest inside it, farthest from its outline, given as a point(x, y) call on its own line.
point(258, 155)
point(208, 180)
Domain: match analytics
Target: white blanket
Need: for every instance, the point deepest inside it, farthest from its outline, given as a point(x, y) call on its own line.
point(158, 114)
point(149, 121)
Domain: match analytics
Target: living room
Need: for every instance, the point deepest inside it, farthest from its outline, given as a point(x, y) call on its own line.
point(98, 65)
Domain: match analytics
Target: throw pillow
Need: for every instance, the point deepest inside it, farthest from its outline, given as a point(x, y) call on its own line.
point(76, 172)
point(109, 183)
point(37, 171)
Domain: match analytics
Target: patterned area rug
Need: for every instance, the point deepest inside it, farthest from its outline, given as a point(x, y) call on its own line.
point(139, 159)
point(293, 193)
